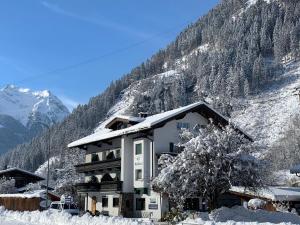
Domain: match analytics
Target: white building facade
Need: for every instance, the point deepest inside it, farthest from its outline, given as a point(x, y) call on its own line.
point(122, 161)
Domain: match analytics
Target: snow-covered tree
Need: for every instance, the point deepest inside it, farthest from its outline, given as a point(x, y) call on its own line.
point(212, 161)
point(7, 186)
point(33, 187)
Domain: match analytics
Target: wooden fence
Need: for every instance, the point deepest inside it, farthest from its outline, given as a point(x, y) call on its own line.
point(20, 204)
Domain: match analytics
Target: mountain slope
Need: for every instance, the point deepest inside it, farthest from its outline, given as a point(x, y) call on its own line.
point(25, 113)
point(229, 57)
point(266, 116)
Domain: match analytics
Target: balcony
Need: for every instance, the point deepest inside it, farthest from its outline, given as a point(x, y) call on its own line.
point(111, 164)
point(107, 186)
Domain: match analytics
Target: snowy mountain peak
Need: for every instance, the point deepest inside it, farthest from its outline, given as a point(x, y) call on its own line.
point(29, 107)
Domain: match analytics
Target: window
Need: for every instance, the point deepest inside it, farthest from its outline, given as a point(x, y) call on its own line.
point(104, 202)
point(138, 149)
point(183, 125)
point(118, 153)
point(115, 202)
point(138, 175)
point(140, 191)
point(140, 204)
point(171, 147)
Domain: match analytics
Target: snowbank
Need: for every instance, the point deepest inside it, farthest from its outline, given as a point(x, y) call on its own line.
point(241, 216)
point(57, 218)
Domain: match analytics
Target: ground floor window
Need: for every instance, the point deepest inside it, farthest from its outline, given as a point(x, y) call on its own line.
point(104, 202)
point(115, 202)
point(140, 204)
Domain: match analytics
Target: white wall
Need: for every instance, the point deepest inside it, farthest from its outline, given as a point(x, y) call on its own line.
point(142, 162)
point(169, 132)
point(113, 211)
point(127, 164)
point(115, 145)
point(154, 199)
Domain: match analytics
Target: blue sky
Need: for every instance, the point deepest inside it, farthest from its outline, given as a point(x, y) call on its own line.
point(42, 40)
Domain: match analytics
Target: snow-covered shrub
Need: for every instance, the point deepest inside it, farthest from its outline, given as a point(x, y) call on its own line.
point(212, 161)
point(175, 215)
point(7, 186)
point(256, 204)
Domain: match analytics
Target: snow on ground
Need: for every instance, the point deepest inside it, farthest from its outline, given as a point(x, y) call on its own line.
point(253, 2)
point(266, 116)
point(182, 63)
point(223, 216)
point(249, 4)
point(241, 216)
point(57, 218)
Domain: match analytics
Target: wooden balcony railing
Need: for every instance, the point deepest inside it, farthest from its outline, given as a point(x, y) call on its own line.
point(107, 186)
point(112, 164)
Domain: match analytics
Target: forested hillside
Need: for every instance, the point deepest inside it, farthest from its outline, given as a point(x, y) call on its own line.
point(233, 53)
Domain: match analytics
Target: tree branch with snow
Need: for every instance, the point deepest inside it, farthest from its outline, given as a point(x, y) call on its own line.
point(213, 160)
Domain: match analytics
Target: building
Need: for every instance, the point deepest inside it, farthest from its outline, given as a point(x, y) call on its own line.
point(122, 160)
point(21, 177)
point(22, 199)
point(287, 196)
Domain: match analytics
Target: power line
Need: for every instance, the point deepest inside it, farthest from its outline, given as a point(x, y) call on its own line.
point(97, 58)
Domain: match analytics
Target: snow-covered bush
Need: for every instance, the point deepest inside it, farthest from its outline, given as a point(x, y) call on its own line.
point(256, 204)
point(7, 186)
point(33, 187)
point(212, 161)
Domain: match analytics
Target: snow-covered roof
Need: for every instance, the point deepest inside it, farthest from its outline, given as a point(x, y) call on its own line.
point(271, 193)
point(14, 169)
point(123, 117)
point(147, 123)
point(295, 169)
point(31, 194)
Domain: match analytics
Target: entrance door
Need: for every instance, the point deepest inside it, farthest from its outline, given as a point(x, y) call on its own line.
point(94, 203)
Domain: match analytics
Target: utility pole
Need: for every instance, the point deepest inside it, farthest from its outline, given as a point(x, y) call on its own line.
point(48, 161)
point(48, 166)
